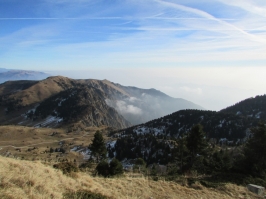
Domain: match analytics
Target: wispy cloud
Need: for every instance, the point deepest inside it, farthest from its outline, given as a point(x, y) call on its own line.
point(210, 17)
point(249, 6)
point(180, 37)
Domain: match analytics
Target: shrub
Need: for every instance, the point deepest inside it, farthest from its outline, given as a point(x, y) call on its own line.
point(140, 162)
point(116, 167)
point(103, 168)
point(66, 167)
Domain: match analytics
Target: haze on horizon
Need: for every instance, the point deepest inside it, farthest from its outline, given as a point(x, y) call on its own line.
point(211, 52)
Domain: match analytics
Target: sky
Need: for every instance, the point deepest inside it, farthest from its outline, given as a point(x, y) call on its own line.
point(210, 52)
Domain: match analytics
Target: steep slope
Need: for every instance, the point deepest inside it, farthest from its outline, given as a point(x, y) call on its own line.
point(84, 104)
point(22, 101)
point(140, 105)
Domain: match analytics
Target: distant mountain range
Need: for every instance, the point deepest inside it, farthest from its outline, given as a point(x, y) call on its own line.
point(12, 74)
point(60, 100)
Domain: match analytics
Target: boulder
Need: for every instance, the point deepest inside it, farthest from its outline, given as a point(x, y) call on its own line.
point(256, 189)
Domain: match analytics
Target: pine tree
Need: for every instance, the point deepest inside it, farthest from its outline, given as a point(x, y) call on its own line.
point(98, 147)
point(196, 143)
point(180, 153)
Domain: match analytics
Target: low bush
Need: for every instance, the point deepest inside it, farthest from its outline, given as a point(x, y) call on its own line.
point(103, 169)
point(113, 168)
point(66, 167)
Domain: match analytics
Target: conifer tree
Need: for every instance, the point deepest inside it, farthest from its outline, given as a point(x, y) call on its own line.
point(98, 147)
point(181, 153)
point(196, 143)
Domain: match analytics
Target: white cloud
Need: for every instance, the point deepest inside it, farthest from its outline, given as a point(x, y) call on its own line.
point(133, 99)
point(125, 108)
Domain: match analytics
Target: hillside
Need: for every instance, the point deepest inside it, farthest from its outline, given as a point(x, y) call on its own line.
point(34, 92)
point(254, 107)
point(154, 141)
point(82, 103)
point(35, 180)
point(56, 100)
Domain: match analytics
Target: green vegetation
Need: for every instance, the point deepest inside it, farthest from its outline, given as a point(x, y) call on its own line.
point(103, 168)
point(98, 147)
point(112, 169)
point(194, 155)
point(255, 152)
point(66, 167)
point(115, 167)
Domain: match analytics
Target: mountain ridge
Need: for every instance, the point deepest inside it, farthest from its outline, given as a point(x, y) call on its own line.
point(134, 104)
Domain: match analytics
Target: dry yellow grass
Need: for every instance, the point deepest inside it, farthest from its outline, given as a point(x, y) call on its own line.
point(43, 89)
point(15, 141)
point(23, 179)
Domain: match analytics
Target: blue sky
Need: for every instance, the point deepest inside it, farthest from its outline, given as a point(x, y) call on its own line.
point(203, 51)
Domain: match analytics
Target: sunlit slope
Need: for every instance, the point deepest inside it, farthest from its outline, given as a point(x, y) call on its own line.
point(24, 179)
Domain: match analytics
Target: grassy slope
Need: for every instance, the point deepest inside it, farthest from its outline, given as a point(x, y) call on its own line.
point(25, 179)
point(25, 138)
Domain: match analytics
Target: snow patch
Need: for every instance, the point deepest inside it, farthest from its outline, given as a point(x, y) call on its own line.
point(49, 120)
